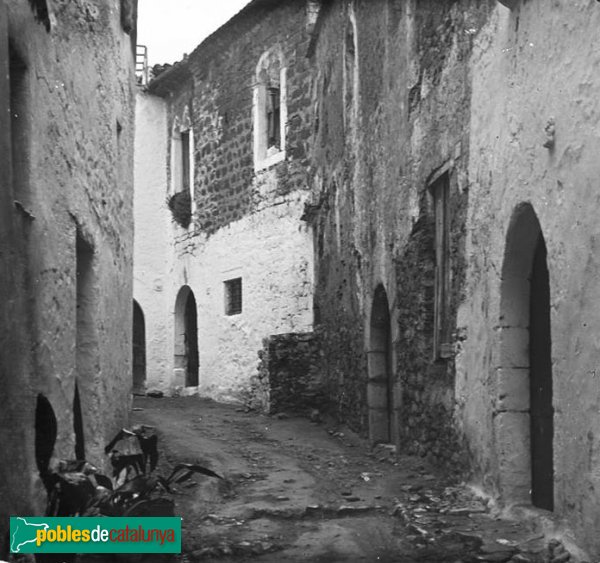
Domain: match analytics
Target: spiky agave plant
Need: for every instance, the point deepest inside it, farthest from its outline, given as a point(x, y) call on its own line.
point(77, 488)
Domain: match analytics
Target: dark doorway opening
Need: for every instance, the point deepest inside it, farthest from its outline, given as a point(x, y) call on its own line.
point(540, 380)
point(380, 394)
point(191, 341)
point(524, 427)
point(139, 350)
point(186, 338)
point(45, 435)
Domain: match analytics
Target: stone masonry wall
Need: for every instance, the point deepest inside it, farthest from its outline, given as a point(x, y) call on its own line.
point(66, 170)
point(290, 375)
point(220, 102)
point(404, 121)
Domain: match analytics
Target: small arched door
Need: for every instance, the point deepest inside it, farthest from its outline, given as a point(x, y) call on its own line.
point(46, 429)
point(525, 417)
point(380, 384)
point(139, 349)
point(186, 336)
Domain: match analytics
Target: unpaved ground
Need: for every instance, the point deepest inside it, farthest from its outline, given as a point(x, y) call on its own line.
point(301, 491)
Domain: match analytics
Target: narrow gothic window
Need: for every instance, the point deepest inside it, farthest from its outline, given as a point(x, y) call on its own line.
point(270, 112)
point(274, 118)
point(185, 161)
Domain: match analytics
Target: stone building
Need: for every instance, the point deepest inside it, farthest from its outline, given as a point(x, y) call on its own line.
point(454, 191)
point(222, 257)
point(66, 138)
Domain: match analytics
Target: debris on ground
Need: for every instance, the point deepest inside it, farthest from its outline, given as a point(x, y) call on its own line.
point(298, 491)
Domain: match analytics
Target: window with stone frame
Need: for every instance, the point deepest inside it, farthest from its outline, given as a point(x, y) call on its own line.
point(180, 200)
point(233, 296)
point(269, 108)
point(273, 118)
point(185, 161)
point(442, 329)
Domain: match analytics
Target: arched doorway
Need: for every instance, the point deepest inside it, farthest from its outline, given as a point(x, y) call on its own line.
point(139, 349)
point(524, 417)
point(186, 337)
point(45, 436)
point(380, 385)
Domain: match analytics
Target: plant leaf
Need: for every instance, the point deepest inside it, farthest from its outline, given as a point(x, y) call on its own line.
point(194, 469)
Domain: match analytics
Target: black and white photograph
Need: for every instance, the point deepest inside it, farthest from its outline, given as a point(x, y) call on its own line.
point(300, 281)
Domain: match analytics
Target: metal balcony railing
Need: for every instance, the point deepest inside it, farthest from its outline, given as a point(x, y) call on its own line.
point(141, 64)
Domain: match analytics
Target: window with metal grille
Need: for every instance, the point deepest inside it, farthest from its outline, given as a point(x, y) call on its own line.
point(233, 296)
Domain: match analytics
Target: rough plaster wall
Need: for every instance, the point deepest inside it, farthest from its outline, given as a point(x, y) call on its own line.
point(537, 62)
point(151, 287)
point(79, 82)
point(271, 250)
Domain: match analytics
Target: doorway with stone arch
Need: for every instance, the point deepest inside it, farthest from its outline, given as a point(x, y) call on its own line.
point(524, 417)
point(139, 349)
point(380, 396)
point(186, 338)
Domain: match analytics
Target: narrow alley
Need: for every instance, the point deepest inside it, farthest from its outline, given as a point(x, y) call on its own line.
point(332, 264)
point(296, 490)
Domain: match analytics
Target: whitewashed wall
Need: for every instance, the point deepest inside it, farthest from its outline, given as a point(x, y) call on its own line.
point(152, 232)
point(271, 250)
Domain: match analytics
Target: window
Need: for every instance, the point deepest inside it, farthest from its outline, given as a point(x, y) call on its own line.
point(233, 296)
point(274, 119)
point(182, 150)
point(185, 161)
point(442, 332)
point(180, 200)
point(270, 113)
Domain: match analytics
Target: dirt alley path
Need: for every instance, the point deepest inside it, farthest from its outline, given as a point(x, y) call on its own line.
point(302, 491)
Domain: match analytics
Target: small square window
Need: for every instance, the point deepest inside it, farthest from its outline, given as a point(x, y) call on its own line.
point(233, 296)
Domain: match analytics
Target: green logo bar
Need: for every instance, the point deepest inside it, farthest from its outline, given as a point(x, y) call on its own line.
point(33, 534)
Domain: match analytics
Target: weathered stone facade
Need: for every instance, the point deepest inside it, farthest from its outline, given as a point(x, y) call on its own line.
point(290, 376)
point(453, 204)
point(530, 177)
point(393, 95)
point(449, 152)
point(66, 138)
point(202, 135)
